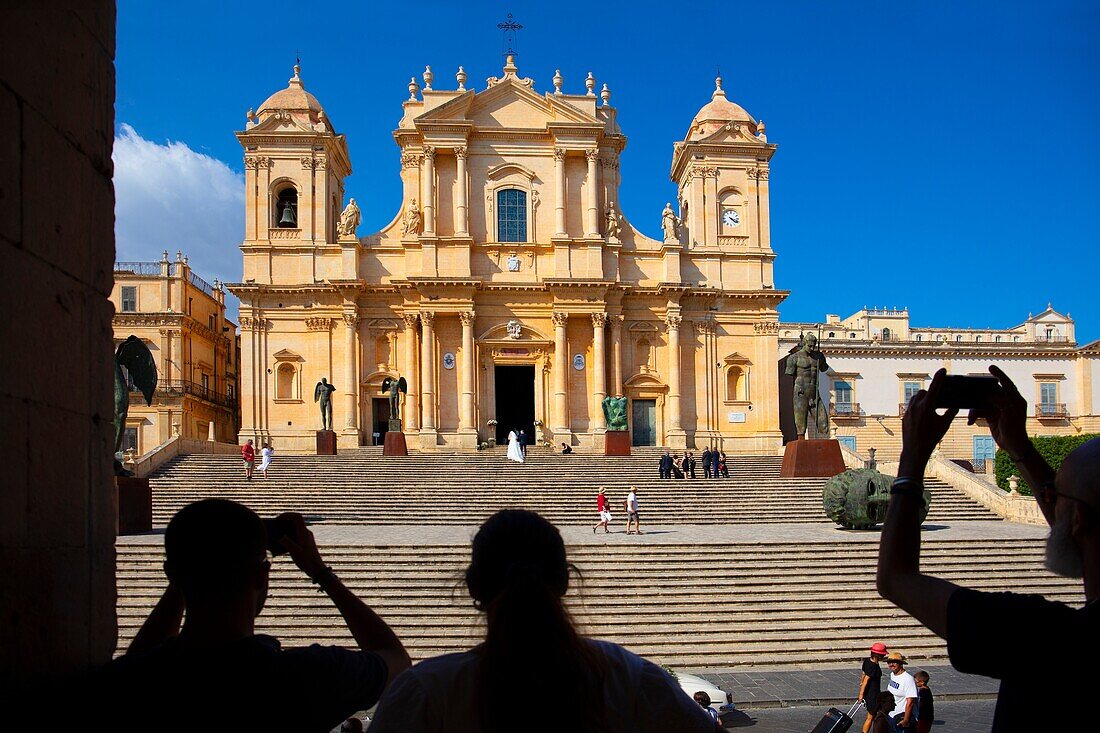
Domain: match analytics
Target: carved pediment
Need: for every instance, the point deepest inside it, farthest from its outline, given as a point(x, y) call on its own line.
point(510, 103)
point(736, 358)
point(287, 355)
point(507, 332)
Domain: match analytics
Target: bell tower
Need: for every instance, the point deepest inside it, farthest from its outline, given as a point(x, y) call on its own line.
point(721, 170)
point(295, 165)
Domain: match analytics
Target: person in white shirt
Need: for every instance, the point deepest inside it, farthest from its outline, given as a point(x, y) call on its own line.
point(631, 506)
point(904, 689)
point(518, 577)
point(265, 458)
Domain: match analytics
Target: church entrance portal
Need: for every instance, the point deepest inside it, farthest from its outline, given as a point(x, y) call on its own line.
point(645, 422)
point(515, 394)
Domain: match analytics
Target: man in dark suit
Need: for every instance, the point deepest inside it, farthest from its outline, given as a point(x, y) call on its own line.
point(666, 465)
point(707, 457)
point(523, 443)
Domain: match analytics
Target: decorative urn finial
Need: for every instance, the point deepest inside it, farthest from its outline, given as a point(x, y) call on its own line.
point(413, 88)
point(428, 76)
point(605, 95)
point(461, 78)
point(558, 81)
point(590, 85)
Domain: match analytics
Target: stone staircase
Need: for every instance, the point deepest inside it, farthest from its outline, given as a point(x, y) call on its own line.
point(747, 570)
point(691, 605)
point(363, 487)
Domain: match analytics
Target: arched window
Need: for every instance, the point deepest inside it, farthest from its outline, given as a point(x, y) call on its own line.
point(997, 339)
point(885, 334)
point(733, 384)
point(284, 382)
point(511, 215)
point(977, 338)
point(919, 337)
point(286, 208)
point(958, 338)
point(832, 334)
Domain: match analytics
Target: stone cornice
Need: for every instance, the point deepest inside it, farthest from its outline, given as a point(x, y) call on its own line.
point(915, 349)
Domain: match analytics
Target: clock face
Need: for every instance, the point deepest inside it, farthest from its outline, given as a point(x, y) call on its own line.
point(731, 218)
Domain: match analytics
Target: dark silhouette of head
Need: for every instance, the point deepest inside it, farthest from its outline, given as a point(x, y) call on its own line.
point(517, 576)
point(216, 553)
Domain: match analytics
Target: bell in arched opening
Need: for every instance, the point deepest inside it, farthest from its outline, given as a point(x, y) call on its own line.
point(287, 207)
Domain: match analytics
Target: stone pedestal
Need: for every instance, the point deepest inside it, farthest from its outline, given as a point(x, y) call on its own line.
point(395, 445)
point(135, 505)
point(616, 443)
point(326, 443)
point(812, 458)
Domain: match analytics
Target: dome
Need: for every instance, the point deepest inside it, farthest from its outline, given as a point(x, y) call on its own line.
point(293, 99)
point(716, 113)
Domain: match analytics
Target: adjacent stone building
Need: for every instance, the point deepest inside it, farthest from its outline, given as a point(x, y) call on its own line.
point(181, 318)
point(510, 286)
point(878, 361)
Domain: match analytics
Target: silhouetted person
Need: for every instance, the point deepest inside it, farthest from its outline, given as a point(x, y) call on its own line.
point(706, 462)
point(517, 577)
point(665, 466)
point(1042, 636)
point(216, 673)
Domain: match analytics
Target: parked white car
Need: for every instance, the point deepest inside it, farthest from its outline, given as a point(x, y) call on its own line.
point(720, 700)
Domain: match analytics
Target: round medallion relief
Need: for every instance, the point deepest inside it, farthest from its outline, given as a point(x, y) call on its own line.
point(578, 362)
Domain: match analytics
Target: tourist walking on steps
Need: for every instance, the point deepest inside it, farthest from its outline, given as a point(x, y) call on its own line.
point(248, 453)
point(870, 685)
point(265, 458)
point(518, 576)
point(515, 453)
point(604, 510)
point(631, 506)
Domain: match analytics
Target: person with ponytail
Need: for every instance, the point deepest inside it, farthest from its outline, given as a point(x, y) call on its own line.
point(518, 577)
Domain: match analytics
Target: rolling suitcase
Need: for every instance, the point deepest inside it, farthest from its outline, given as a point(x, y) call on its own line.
point(835, 721)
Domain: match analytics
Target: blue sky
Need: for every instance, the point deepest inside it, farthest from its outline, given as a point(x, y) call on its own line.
point(939, 155)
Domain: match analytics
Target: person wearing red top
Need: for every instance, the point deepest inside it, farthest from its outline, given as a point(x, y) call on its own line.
point(605, 513)
point(248, 453)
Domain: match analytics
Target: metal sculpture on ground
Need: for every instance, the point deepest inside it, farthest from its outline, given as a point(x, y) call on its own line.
point(134, 367)
point(857, 498)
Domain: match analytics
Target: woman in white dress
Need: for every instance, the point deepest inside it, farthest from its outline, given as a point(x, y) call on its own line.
point(265, 458)
point(515, 453)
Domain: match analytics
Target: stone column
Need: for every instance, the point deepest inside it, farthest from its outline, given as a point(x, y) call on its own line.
point(599, 370)
point(428, 195)
point(469, 372)
point(592, 221)
point(559, 192)
point(561, 377)
point(351, 377)
point(672, 322)
point(427, 384)
point(617, 355)
point(411, 414)
point(462, 205)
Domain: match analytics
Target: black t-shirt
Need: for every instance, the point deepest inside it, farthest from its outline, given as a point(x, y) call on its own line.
point(250, 684)
point(874, 684)
point(926, 707)
point(1030, 644)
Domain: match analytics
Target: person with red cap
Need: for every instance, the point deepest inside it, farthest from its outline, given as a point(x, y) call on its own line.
point(871, 684)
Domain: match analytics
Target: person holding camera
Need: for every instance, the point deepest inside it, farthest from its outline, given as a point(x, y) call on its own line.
point(1023, 640)
point(215, 672)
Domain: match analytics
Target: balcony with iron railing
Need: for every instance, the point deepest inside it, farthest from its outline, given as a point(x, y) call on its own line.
point(1051, 410)
point(843, 410)
point(181, 387)
point(143, 268)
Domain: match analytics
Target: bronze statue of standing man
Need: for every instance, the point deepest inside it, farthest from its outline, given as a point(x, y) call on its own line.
point(806, 365)
point(323, 393)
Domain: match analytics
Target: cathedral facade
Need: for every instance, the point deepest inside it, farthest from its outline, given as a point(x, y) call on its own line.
point(510, 289)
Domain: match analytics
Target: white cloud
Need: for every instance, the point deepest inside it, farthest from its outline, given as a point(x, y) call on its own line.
point(169, 197)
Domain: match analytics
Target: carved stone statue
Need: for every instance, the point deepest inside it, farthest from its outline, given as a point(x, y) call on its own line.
point(134, 367)
point(393, 388)
point(515, 329)
point(323, 393)
point(857, 498)
point(806, 365)
point(614, 219)
point(411, 225)
point(614, 410)
point(670, 224)
point(349, 220)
